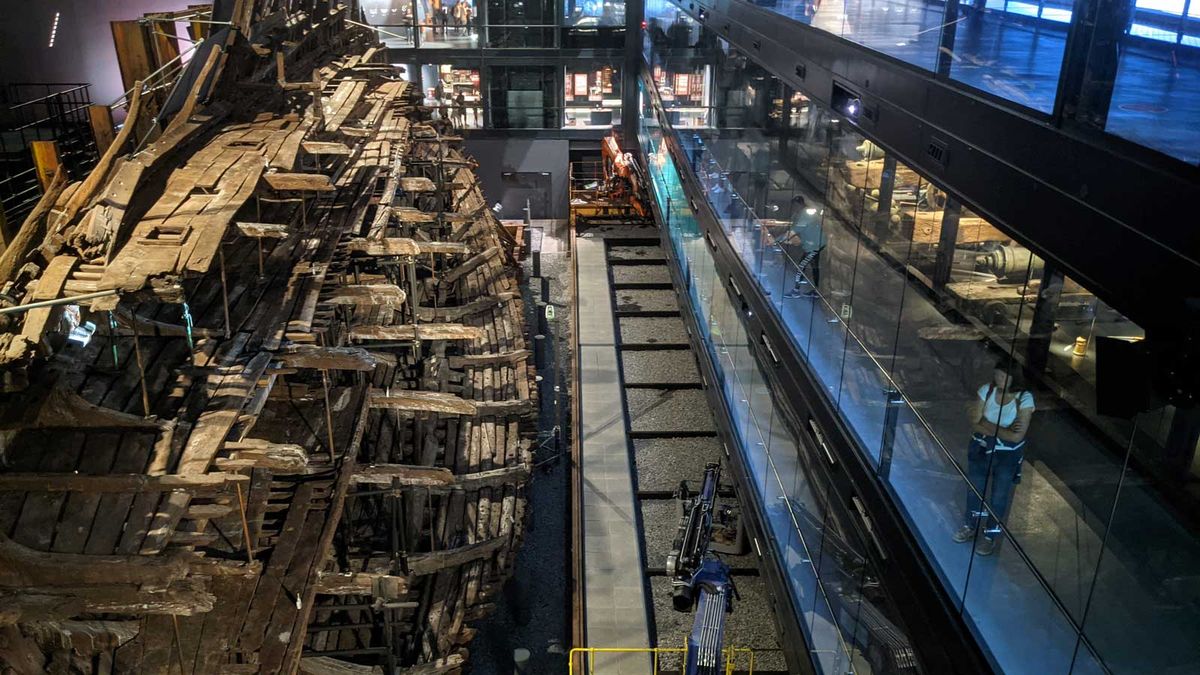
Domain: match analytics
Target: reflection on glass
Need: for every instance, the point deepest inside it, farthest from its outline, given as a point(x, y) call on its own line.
point(835, 601)
point(452, 93)
point(1081, 550)
point(592, 98)
point(522, 97)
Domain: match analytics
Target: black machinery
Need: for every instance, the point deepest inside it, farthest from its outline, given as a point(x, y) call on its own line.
point(698, 577)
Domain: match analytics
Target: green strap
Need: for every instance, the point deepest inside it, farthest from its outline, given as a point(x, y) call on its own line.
point(112, 327)
point(187, 318)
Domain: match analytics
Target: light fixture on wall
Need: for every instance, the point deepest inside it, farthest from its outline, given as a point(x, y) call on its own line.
point(54, 28)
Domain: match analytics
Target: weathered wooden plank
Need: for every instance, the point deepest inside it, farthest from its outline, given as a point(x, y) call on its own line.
point(417, 184)
point(385, 247)
point(427, 563)
point(263, 230)
point(381, 295)
point(438, 480)
point(422, 401)
point(325, 148)
point(489, 359)
point(299, 182)
point(329, 358)
point(418, 332)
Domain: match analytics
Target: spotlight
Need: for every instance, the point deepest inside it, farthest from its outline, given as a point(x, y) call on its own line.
point(853, 106)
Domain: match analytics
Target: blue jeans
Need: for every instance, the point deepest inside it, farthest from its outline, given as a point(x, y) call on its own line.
point(1004, 467)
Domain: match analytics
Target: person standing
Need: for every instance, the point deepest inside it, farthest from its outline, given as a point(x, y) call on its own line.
point(431, 102)
point(1000, 419)
point(460, 110)
point(806, 237)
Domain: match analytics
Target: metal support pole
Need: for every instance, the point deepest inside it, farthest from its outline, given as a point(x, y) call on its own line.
point(17, 309)
point(946, 43)
point(1041, 327)
point(137, 353)
point(891, 416)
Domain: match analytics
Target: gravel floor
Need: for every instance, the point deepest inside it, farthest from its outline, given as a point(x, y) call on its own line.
point(620, 252)
point(533, 611)
point(652, 330)
point(750, 626)
point(641, 274)
point(665, 366)
point(663, 462)
point(668, 410)
point(646, 300)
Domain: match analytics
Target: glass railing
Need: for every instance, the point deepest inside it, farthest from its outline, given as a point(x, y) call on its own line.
point(474, 35)
point(1046, 564)
point(1145, 87)
point(842, 610)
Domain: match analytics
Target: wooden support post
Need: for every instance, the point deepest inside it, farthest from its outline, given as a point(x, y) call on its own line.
point(100, 118)
point(328, 414)
point(137, 352)
point(224, 289)
point(245, 526)
point(412, 289)
point(45, 161)
point(178, 643)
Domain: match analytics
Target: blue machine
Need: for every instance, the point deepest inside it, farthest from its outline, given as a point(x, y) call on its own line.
point(698, 578)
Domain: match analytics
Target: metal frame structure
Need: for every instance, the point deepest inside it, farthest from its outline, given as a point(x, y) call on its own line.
point(40, 111)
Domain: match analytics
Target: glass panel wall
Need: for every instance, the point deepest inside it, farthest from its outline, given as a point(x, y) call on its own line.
point(1147, 89)
point(453, 92)
point(521, 24)
point(593, 23)
point(447, 24)
point(965, 366)
point(523, 97)
point(845, 614)
point(592, 97)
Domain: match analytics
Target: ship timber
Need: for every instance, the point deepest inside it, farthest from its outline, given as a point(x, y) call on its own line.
point(268, 395)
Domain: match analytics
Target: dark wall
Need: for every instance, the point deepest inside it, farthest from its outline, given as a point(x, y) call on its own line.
point(530, 156)
point(83, 49)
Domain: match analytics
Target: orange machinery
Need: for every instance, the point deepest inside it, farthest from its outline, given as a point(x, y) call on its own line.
point(623, 180)
point(611, 191)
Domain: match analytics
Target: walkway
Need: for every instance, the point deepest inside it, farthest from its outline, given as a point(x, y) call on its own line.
point(614, 596)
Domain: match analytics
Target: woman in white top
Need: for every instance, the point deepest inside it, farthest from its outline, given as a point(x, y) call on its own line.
point(1001, 416)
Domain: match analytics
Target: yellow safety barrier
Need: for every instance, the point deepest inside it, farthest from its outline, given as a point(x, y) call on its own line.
point(588, 655)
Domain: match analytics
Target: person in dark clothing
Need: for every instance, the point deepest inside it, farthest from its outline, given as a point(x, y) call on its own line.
point(460, 110)
point(802, 241)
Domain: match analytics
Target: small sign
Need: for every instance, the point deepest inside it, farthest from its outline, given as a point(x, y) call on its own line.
point(847, 311)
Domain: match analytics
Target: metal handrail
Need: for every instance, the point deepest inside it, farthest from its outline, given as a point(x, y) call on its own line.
point(731, 657)
point(47, 97)
point(146, 80)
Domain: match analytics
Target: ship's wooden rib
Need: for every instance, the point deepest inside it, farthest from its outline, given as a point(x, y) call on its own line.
point(298, 439)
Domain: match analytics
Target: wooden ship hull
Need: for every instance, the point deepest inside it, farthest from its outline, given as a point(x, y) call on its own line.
point(268, 398)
